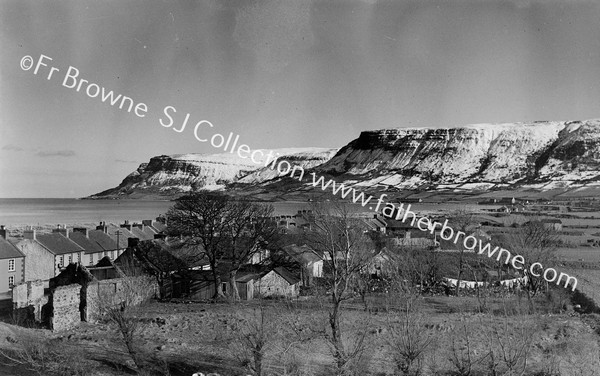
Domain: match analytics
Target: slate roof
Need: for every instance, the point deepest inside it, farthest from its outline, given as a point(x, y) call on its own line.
point(84, 242)
point(125, 234)
point(8, 250)
point(287, 275)
point(58, 243)
point(103, 240)
point(158, 226)
point(302, 254)
point(146, 234)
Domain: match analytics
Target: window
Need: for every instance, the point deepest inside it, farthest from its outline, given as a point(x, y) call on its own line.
point(79, 258)
point(70, 259)
point(92, 259)
point(61, 261)
point(11, 265)
point(11, 281)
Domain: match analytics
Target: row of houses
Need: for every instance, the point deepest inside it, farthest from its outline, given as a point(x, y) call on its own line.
point(284, 272)
point(42, 256)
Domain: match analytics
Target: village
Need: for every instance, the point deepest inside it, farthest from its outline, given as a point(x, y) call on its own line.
point(69, 279)
point(35, 256)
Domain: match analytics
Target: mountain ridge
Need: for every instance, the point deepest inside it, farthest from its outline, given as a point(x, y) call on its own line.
point(541, 155)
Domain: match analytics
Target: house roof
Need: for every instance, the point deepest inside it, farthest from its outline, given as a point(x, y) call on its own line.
point(86, 243)
point(302, 254)
point(396, 224)
point(146, 234)
point(158, 226)
point(125, 234)
point(8, 250)
point(58, 243)
point(103, 240)
point(192, 255)
point(287, 275)
point(374, 224)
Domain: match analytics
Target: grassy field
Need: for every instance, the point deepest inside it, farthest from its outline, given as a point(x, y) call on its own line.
point(191, 337)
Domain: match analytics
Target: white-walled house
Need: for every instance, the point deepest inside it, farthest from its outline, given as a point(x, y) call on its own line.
point(97, 245)
point(47, 254)
point(12, 266)
point(311, 265)
point(277, 282)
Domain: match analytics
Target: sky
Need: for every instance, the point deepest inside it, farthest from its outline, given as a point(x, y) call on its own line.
point(278, 73)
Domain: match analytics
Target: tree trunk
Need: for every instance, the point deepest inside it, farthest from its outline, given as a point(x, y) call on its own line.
point(235, 294)
point(336, 334)
point(218, 288)
point(460, 270)
point(258, 357)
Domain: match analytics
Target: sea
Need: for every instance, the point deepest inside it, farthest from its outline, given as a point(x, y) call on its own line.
point(17, 212)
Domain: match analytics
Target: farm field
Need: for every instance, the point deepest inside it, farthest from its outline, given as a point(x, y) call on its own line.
point(190, 337)
point(589, 282)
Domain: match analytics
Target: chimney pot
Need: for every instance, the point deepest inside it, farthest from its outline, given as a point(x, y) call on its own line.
point(82, 230)
point(29, 233)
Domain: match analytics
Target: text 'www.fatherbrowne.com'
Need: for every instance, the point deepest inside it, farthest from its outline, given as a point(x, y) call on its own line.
point(71, 79)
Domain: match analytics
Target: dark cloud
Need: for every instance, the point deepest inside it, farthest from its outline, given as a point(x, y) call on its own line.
point(12, 147)
point(56, 153)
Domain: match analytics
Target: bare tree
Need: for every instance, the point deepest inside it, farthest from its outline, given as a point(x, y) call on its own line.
point(536, 242)
point(250, 230)
point(340, 237)
point(226, 232)
point(463, 355)
point(198, 220)
point(463, 221)
point(409, 341)
point(122, 308)
point(254, 337)
point(414, 270)
point(37, 355)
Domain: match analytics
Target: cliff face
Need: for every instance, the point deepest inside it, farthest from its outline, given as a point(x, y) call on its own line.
point(307, 158)
point(539, 155)
point(175, 174)
point(498, 154)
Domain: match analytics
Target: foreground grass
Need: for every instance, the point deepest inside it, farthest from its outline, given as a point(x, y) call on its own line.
point(183, 338)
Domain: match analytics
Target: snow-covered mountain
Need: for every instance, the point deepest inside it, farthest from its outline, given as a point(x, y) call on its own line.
point(169, 175)
point(541, 155)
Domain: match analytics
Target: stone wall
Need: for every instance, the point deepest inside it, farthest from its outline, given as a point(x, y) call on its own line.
point(112, 292)
point(65, 307)
point(28, 300)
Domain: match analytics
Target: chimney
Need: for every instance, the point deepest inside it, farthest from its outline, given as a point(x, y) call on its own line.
point(82, 230)
point(2, 232)
point(62, 230)
point(147, 222)
point(126, 225)
point(102, 227)
point(29, 233)
point(132, 242)
point(139, 225)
